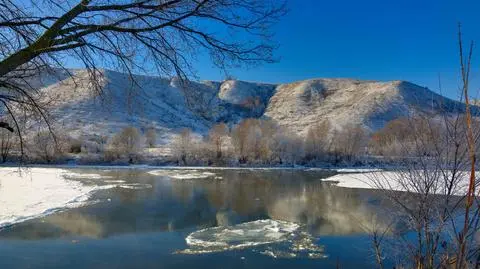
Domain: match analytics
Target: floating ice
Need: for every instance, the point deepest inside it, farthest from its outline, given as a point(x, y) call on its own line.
point(114, 181)
point(249, 234)
point(182, 174)
point(135, 186)
point(274, 238)
point(83, 176)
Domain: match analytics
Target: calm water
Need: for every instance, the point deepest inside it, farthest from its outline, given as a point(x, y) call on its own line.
point(146, 227)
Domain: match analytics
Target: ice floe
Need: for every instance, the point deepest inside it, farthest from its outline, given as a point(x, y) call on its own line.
point(242, 235)
point(114, 181)
point(183, 173)
point(135, 186)
point(83, 175)
point(261, 235)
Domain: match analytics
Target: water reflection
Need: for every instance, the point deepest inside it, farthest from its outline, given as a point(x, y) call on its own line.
point(176, 204)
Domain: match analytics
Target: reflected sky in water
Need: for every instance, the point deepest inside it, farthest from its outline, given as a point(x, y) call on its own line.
point(142, 228)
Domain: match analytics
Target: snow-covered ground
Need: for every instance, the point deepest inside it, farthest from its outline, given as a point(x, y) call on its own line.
point(27, 194)
point(399, 181)
point(35, 192)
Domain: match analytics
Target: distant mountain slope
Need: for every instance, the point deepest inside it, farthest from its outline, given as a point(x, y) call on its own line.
point(344, 102)
point(168, 105)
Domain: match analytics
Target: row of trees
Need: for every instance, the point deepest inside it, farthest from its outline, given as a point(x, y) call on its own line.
point(259, 141)
point(251, 141)
point(43, 147)
point(422, 136)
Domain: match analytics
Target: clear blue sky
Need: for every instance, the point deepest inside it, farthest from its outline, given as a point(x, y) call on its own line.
point(414, 40)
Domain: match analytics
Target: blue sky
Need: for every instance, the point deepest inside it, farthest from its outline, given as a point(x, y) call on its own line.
point(371, 39)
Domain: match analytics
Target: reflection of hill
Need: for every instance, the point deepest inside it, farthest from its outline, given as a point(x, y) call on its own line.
point(57, 225)
point(183, 204)
point(324, 208)
point(327, 210)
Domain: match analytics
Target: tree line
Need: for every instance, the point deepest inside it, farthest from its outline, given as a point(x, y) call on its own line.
point(250, 142)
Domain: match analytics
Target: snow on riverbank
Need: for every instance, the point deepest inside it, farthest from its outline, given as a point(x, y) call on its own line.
point(399, 181)
point(30, 193)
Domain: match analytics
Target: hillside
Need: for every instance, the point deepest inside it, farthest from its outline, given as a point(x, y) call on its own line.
point(167, 105)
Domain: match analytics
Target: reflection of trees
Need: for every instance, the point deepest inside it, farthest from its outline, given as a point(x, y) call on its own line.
point(241, 196)
point(58, 225)
point(292, 196)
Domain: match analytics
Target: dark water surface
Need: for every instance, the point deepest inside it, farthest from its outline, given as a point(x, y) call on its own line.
point(147, 227)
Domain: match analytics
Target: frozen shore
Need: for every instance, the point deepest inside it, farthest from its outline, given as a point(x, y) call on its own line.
point(27, 193)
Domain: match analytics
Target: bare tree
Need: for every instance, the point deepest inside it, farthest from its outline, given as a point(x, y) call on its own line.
point(286, 147)
point(217, 136)
point(151, 137)
point(126, 143)
point(317, 141)
point(348, 142)
point(434, 188)
point(241, 135)
point(38, 35)
point(6, 144)
point(183, 145)
point(45, 148)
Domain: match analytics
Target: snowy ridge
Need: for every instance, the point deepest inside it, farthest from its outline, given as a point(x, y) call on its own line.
point(168, 105)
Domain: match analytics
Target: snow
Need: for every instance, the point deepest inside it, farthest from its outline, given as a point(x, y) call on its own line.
point(135, 186)
point(36, 192)
point(357, 170)
point(166, 105)
point(80, 175)
point(397, 181)
point(347, 102)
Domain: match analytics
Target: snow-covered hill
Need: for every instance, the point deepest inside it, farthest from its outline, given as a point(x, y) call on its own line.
point(345, 102)
point(167, 104)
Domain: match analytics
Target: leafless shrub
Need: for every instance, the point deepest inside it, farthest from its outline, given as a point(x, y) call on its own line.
point(126, 143)
point(6, 144)
point(151, 137)
point(217, 137)
point(287, 147)
point(93, 144)
point(348, 143)
point(183, 145)
point(434, 186)
point(241, 139)
point(45, 148)
point(318, 141)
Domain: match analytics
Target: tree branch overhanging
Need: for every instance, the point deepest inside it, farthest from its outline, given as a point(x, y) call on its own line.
point(38, 37)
